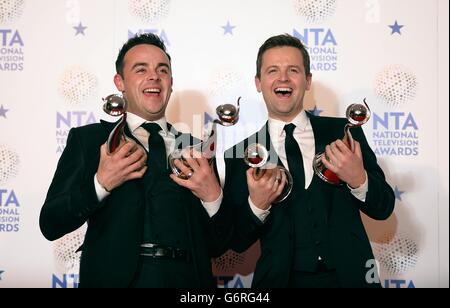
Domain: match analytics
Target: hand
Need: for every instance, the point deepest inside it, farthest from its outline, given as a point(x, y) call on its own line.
point(347, 165)
point(202, 180)
point(265, 189)
point(127, 162)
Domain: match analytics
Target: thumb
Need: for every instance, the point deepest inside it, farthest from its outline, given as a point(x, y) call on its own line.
point(358, 149)
point(103, 149)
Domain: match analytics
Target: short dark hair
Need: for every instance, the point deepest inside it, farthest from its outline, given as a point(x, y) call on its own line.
point(280, 41)
point(138, 39)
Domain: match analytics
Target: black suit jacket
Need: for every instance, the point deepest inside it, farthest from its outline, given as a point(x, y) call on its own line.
point(110, 250)
point(349, 243)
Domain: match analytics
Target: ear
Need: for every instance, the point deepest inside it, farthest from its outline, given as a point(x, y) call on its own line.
point(258, 84)
point(118, 81)
point(308, 82)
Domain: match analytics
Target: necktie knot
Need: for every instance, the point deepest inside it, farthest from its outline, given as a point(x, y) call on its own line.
point(152, 128)
point(289, 129)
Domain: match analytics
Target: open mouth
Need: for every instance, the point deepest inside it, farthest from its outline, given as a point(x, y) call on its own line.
point(283, 92)
point(152, 91)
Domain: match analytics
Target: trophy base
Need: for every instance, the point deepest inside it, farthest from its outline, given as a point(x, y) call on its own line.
point(324, 173)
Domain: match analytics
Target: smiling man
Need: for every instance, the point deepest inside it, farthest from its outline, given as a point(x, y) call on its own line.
point(144, 229)
point(315, 237)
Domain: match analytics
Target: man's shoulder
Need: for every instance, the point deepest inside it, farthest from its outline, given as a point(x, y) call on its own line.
point(95, 132)
point(326, 120)
point(92, 128)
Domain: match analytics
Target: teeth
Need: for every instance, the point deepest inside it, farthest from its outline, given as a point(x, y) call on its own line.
point(283, 90)
point(152, 90)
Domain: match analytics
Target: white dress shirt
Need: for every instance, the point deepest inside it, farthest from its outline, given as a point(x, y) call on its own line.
point(304, 136)
point(134, 123)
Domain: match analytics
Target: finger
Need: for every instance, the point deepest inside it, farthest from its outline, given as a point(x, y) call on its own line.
point(357, 149)
point(327, 162)
point(137, 174)
point(181, 182)
point(329, 154)
point(136, 166)
point(250, 175)
point(137, 155)
point(343, 148)
point(186, 171)
point(103, 150)
point(276, 180)
point(125, 149)
point(282, 184)
point(191, 160)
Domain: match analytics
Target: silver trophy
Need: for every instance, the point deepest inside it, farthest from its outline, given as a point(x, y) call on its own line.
point(256, 156)
point(357, 115)
point(228, 115)
point(116, 105)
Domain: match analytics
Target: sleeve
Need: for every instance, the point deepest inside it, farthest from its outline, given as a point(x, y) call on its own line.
point(380, 198)
point(71, 198)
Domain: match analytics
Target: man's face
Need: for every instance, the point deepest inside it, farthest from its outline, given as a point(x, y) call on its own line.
point(283, 82)
point(146, 82)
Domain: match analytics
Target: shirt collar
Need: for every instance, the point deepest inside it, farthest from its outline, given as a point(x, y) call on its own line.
point(276, 127)
point(135, 121)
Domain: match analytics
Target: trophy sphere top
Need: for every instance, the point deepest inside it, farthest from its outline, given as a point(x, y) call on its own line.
point(358, 114)
point(115, 105)
point(256, 155)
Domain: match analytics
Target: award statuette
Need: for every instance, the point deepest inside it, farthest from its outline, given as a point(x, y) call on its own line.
point(256, 156)
point(357, 115)
point(228, 115)
point(116, 105)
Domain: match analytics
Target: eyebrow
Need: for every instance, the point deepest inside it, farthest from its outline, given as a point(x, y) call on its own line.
point(277, 66)
point(146, 65)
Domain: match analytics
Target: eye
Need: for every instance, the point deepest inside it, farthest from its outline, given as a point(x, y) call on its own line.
point(164, 70)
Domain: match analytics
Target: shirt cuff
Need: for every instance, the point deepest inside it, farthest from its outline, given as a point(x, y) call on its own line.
point(261, 214)
point(361, 191)
point(213, 207)
point(102, 193)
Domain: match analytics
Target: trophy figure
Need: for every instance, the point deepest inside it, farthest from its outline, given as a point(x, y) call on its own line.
point(116, 105)
point(256, 156)
point(357, 115)
point(228, 115)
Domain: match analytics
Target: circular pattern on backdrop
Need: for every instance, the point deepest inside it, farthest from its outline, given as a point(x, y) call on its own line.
point(77, 85)
point(315, 11)
point(396, 85)
point(149, 11)
point(66, 258)
point(9, 164)
point(10, 10)
point(397, 254)
point(229, 261)
point(225, 86)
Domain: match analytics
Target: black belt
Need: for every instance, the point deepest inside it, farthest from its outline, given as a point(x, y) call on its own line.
point(164, 252)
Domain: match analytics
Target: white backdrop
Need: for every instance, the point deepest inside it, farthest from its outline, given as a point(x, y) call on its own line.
point(57, 62)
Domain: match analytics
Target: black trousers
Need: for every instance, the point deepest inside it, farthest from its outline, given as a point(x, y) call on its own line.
point(321, 278)
point(164, 273)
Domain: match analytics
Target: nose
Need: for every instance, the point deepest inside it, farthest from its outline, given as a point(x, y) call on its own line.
point(152, 75)
point(284, 76)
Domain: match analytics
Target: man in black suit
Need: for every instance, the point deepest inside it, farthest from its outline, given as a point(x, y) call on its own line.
point(144, 229)
point(314, 238)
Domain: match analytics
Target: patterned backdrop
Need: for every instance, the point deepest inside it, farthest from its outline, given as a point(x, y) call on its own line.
point(57, 63)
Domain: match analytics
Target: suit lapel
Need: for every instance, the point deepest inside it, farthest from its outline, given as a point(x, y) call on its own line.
point(321, 132)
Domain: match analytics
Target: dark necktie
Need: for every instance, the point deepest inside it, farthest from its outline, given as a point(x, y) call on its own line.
point(294, 158)
point(156, 146)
